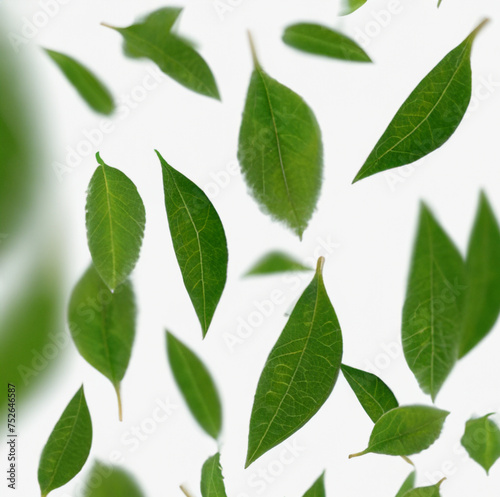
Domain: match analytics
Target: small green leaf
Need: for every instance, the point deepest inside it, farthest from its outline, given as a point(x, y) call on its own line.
point(102, 325)
point(212, 481)
point(321, 40)
point(482, 264)
point(115, 224)
point(280, 151)
point(199, 242)
point(152, 38)
point(482, 441)
point(318, 488)
point(429, 116)
point(113, 482)
point(408, 484)
point(430, 491)
point(276, 262)
point(350, 6)
point(373, 394)
point(300, 372)
point(196, 385)
point(68, 446)
point(432, 313)
point(404, 431)
point(90, 88)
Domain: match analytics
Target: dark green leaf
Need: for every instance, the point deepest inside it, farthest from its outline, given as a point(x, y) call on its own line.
point(320, 40)
point(111, 481)
point(212, 481)
point(429, 116)
point(431, 491)
point(318, 488)
point(299, 373)
point(373, 394)
point(432, 317)
point(482, 297)
point(408, 484)
point(68, 446)
point(115, 224)
point(276, 262)
point(199, 242)
point(280, 151)
point(90, 88)
point(350, 6)
point(196, 386)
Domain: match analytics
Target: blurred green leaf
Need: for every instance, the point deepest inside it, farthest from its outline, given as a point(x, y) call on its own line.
point(408, 484)
point(212, 481)
point(318, 488)
point(276, 262)
point(350, 6)
point(112, 482)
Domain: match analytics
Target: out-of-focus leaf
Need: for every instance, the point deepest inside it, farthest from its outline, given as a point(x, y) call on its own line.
point(276, 262)
point(407, 485)
point(350, 6)
point(318, 488)
point(212, 481)
point(112, 482)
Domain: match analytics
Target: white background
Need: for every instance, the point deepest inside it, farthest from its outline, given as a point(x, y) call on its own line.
point(364, 230)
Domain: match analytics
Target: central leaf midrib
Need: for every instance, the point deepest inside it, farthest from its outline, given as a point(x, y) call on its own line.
point(111, 235)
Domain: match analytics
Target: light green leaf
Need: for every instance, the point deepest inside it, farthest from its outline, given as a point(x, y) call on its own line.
point(408, 484)
point(212, 481)
point(432, 313)
point(68, 446)
point(199, 242)
point(373, 394)
point(482, 441)
point(299, 373)
point(321, 40)
point(115, 223)
point(482, 264)
point(404, 431)
point(280, 151)
point(429, 116)
point(102, 325)
point(276, 262)
point(196, 385)
point(430, 491)
point(318, 488)
point(350, 6)
point(152, 38)
point(439, 3)
point(113, 482)
point(90, 88)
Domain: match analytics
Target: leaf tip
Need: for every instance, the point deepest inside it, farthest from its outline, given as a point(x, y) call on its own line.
point(320, 265)
point(253, 50)
point(440, 482)
point(479, 28)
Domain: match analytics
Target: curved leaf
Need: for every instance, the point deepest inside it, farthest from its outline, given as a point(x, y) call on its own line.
point(276, 262)
point(212, 481)
point(318, 488)
point(113, 481)
point(430, 491)
point(350, 6)
point(408, 484)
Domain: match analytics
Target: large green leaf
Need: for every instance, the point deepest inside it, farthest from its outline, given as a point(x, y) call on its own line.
point(299, 373)
point(199, 242)
point(482, 297)
point(110, 481)
point(350, 6)
point(115, 223)
point(280, 151)
point(404, 431)
point(212, 481)
point(429, 116)
point(102, 325)
point(276, 262)
point(321, 40)
point(407, 485)
point(432, 313)
point(68, 446)
point(318, 488)
point(373, 394)
point(196, 386)
point(90, 88)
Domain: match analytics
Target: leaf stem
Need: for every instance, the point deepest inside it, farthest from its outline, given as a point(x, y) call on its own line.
point(106, 25)
point(408, 460)
point(119, 397)
point(184, 491)
point(357, 454)
point(320, 264)
point(255, 59)
point(438, 484)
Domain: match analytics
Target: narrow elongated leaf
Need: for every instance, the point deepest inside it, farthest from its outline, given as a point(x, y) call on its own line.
point(432, 313)
point(482, 298)
point(199, 242)
point(280, 151)
point(430, 491)
point(318, 488)
point(408, 484)
point(321, 40)
point(276, 262)
point(152, 38)
point(102, 325)
point(90, 88)
point(196, 386)
point(113, 481)
point(429, 116)
point(482, 441)
point(212, 481)
point(115, 223)
point(68, 446)
point(299, 373)
point(350, 6)
point(373, 394)
point(404, 431)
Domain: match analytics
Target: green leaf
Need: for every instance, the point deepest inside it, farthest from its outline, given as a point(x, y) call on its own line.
point(482, 441)
point(115, 224)
point(68, 446)
point(429, 116)
point(404, 431)
point(102, 325)
point(280, 151)
point(113, 481)
point(321, 40)
point(299, 373)
point(196, 385)
point(431, 491)
point(432, 312)
point(318, 488)
point(408, 484)
point(90, 88)
point(152, 38)
point(199, 242)
point(212, 481)
point(482, 297)
point(350, 6)
point(276, 262)
point(373, 394)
